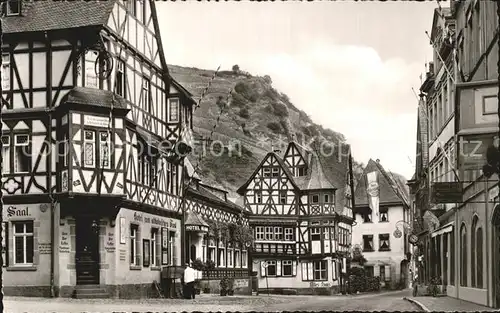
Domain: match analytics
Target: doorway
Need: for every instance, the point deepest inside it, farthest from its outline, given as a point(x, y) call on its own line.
point(87, 251)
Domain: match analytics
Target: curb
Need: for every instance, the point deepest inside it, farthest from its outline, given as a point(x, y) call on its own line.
point(420, 305)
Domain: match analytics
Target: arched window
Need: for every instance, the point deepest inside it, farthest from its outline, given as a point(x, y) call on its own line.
point(477, 253)
point(463, 253)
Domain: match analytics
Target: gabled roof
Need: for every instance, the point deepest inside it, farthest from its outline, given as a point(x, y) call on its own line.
point(203, 192)
point(94, 97)
point(51, 15)
point(315, 178)
point(390, 190)
point(282, 164)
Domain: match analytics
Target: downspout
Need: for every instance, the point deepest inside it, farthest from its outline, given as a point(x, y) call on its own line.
point(486, 228)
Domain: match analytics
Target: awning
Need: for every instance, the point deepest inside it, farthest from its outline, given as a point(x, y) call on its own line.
point(195, 223)
point(443, 230)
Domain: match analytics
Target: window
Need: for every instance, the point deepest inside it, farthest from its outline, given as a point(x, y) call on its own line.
point(22, 155)
point(89, 148)
point(6, 154)
point(259, 233)
point(132, 7)
point(369, 270)
point(269, 235)
point(287, 268)
point(283, 197)
point(383, 242)
point(211, 250)
point(134, 244)
point(315, 198)
point(104, 149)
point(13, 7)
point(65, 150)
point(327, 198)
point(320, 272)
point(278, 233)
point(367, 242)
point(288, 234)
point(230, 257)
point(120, 79)
point(489, 105)
point(463, 250)
point(452, 258)
point(154, 255)
point(302, 171)
point(384, 215)
point(23, 243)
point(367, 217)
point(221, 257)
point(477, 251)
point(237, 257)
point(271, 268)
point(267, 172)
point(204, 249)
point(91, 79)
point(382, 273)
point(146, 94)
point(173, 110)
point(171, 247)
point(276, 172)
point(5, 72)
point(258, 197)
point(315, 233)
point(244, 258)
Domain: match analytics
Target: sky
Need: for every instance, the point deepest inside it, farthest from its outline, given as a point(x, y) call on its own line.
point(350, 66)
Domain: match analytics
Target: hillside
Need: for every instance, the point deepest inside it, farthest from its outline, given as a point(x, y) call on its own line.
point(258, 116)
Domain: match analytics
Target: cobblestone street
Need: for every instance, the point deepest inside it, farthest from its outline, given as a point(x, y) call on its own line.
point(390, 301)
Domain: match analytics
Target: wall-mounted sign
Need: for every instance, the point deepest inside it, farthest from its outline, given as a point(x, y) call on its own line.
point(413, 239)
point(199, 228)
point(18, 211)
point(123, 255)
point(446, 192)
point(123, 235)
point(321, 284)
point(96, 121)
point(109, 244)
point(64, 245)
point(138, 217)
point(44, 248)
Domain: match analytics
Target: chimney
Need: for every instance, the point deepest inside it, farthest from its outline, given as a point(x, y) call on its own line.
point(431, 67)
point(378, 160)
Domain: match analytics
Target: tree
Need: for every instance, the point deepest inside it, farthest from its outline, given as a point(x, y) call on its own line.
point(236, 69)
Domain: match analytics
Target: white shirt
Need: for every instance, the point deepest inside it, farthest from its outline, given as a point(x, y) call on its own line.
point(189, 275)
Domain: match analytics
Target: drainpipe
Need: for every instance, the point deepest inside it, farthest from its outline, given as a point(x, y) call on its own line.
point(52, 221)
point(486, 228)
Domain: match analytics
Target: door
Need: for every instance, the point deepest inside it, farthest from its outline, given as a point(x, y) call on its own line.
point(496, 255)
point(87, 251)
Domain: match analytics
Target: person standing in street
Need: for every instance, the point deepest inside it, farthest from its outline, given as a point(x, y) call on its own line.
point(189, 277)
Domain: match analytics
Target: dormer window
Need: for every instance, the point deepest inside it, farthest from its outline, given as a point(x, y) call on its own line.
point(301, 171)
point(13, 7)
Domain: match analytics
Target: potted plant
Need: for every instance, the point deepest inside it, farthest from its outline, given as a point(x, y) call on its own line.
point(209, 266)
point(224, 284)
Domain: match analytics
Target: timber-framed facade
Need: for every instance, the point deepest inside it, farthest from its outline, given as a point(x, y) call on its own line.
point(301, 215)
point(95, 132)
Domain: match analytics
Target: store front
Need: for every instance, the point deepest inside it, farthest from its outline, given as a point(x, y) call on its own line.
point(196, 228)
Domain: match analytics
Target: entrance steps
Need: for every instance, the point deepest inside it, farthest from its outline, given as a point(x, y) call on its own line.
point(90, 292)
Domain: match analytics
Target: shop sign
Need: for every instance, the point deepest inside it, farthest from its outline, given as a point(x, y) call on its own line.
point(110, 242)
point(64, 242)
point(138, 217)
point(199, 228)
point(321, 284)
point(446, 192)
point(96, 121)
point(18, 211)
point(240, 283)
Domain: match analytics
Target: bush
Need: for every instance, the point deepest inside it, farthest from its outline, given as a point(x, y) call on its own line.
point(238, 100)
point(236, 68)
point(198, 265)
point(244, 113)
point(275, 127)
point(280, 109)
point(372, 284)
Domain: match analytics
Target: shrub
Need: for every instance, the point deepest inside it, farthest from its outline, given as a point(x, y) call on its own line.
point(236, 68)
point(280, 109)
point(198, 265)
point(275, 127)
point(372, 284)
point(244, 112)
point(238, 100)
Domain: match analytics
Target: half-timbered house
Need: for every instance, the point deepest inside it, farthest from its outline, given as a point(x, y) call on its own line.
point(94, 131)
point(381, 232)
point(301, 204)
point(215, 233)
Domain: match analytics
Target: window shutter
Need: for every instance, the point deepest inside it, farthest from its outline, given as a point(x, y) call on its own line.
point(294, 268)
point(262, 269)
point(5, 248)
point(304, 270)
point(137, 249)
point(278, 268)
point(174, 250)
point(310, 274)
point(164, 246)
point(334, 270)
point(387, 272)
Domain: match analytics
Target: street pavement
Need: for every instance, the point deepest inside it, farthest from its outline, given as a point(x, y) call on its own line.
point(387, 301)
